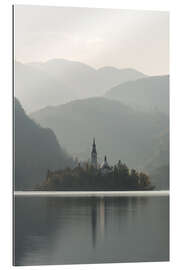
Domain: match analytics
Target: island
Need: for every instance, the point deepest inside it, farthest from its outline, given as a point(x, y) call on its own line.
point(91, 176)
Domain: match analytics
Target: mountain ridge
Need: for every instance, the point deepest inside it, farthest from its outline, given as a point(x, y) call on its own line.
point(60, 81)
point(146, 93)
point(36, 151)
point(121, 131)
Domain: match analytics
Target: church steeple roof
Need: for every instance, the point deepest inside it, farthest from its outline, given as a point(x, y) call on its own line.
point(105, 164)
point(94, 154)
point(94, 146)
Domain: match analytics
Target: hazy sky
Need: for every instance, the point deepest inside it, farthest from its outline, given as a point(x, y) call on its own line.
point(98, 37)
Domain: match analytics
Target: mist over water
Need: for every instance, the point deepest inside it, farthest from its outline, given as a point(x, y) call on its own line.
point(48, 230)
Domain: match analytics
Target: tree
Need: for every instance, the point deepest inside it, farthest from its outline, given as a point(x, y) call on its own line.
point(144, 179)
point(134, 177)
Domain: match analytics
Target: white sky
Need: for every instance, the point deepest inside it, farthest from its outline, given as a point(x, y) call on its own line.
point(97, 37)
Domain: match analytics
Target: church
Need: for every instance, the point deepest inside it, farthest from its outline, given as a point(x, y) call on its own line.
point(104, 167)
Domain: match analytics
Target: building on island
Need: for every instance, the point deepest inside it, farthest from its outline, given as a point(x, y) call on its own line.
point(104, 167)
point(90, 175)
point(94, 155)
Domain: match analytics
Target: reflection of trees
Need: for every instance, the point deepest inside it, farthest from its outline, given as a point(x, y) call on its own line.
point(51, 218)
point(42, 218)
point(94, 221)
point(102, 214)
point(103, 211)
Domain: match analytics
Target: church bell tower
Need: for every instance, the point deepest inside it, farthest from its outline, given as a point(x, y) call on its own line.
point(94, 155)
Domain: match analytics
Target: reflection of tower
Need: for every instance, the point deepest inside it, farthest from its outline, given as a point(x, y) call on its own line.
point(98, 219)
point(94, 155)
point(102, 216)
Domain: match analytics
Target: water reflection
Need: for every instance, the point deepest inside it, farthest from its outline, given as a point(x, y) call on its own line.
point(94, 222)
point(90, 230)
point(102, 213)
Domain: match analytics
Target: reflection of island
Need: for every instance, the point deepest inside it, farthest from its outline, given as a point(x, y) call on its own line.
point(48, 230)
point(98, 218)
point(94, 222)
point(93, 176)
point(99, 215)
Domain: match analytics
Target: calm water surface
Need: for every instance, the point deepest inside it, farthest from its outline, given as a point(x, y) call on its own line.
point(56, 230)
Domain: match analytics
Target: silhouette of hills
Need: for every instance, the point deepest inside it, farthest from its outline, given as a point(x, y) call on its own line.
point(121, 132)
point(36, 88)
point(151, 93)
point(158, 165)
point(59, 81)
point(36, 150)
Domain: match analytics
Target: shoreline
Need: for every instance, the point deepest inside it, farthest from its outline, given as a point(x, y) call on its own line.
point(91, 193)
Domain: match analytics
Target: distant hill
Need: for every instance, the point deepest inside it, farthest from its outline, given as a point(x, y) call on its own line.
point(158, 165)
point(120, 131)
point(36, 150)
point(59, 81)
point(151, 93)
point(87, 80)
point(111, 76)
point(36, 88)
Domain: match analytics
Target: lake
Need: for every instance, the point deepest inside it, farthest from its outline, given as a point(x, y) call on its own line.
point(73, 230)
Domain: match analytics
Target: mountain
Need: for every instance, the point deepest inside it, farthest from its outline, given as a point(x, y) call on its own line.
point(36, 88)
point(59, 81)
point(36, 151)
point(146, 93)
point(158, 165)
point(111, 76)
point(87, 80)
point(120, 131)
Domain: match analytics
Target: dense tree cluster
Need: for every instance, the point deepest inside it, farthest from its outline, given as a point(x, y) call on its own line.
point(88, 178)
